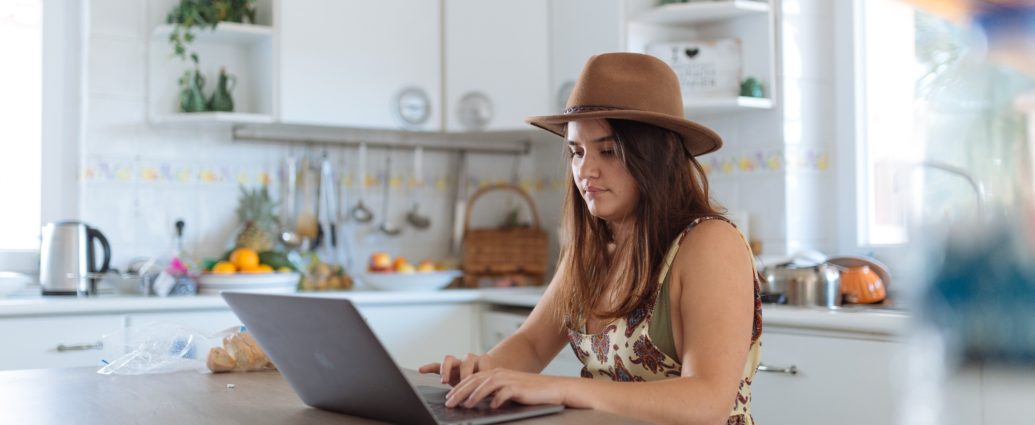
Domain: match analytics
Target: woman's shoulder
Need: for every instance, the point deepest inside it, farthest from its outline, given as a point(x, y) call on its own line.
point(711, 243)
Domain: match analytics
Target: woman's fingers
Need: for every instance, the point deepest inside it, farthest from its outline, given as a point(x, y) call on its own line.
point(430, 368)
point(449, 371)
point(501, 397)
point(484, 389)
point(460, 391)
point(468, 367)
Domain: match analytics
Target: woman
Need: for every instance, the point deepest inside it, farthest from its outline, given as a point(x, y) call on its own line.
point(655, 292)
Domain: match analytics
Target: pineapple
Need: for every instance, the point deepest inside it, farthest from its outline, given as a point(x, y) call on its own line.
point(255, 212)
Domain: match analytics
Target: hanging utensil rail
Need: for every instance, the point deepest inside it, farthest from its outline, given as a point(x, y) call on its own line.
point(428, 141)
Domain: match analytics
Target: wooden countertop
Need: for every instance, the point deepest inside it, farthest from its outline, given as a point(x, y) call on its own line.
point(81, 396)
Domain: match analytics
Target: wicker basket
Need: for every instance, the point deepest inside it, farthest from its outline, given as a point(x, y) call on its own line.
point(504, 257)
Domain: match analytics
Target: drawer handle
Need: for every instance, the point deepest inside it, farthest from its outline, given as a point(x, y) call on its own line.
point(61, 348)
point(792, 370)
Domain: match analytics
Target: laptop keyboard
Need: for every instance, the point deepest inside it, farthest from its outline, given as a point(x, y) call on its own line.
point(436, 399)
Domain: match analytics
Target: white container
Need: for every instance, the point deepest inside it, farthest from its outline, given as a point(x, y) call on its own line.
point(707, 68)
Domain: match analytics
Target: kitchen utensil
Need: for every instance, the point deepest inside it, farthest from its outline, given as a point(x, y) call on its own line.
point(861, 285)
point(812, 286)
point(459, 205)
point(344, 258)
point(306, 225)
point(67, 265)
point(288, 237)
point(387, 227)
point(361, 213)
point(327, 209)
point(415, 218)
point(855, 261)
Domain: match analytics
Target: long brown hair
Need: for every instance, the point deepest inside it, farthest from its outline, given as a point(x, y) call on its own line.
point(673, 192)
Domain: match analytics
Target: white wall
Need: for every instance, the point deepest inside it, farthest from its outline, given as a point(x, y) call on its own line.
point(138, 178)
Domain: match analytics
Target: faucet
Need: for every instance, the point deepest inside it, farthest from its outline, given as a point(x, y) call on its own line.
point(979, 189)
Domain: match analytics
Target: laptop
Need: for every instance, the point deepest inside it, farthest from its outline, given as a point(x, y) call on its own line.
point(333, 361)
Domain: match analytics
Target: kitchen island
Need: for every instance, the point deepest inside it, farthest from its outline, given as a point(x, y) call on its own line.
point(81, 396)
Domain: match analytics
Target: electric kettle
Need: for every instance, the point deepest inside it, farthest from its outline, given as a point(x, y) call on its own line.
point(67, 260)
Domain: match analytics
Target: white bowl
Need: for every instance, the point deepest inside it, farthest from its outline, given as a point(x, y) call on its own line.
point(250, 279)
point(419, 281)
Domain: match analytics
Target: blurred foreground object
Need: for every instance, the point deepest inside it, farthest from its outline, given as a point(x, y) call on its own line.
point(1007, 25)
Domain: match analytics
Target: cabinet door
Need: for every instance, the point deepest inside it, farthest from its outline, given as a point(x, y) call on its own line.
point(207, 322)
point(580, 29)
point(839, 380)
point(415, 335)
point(346, 62)
point(63, 341)
point(496, 326)
point(497, 63)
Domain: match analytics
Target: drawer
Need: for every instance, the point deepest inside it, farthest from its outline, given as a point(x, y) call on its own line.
point(64, 341)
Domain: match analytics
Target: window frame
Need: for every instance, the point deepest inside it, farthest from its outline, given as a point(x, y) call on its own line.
point(65, 26)
point(850, 131)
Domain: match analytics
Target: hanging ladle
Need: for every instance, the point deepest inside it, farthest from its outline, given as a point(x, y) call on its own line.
point(386, 227)
point(360, 212)
point(415, 218)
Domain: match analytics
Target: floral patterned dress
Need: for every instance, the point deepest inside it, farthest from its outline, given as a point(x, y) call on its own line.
point(623, 350)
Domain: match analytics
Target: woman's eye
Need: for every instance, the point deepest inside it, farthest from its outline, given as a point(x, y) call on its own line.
point(608, 152)
point(576, 154)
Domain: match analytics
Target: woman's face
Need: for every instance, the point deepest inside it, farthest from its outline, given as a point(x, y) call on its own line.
point(606, 186)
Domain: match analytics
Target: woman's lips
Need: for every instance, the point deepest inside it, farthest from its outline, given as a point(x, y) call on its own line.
point(593, 192)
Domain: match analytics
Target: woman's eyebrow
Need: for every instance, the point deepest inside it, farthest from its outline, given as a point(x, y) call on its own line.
point(600, 139)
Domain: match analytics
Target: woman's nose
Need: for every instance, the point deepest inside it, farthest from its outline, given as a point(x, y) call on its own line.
point(588, 167)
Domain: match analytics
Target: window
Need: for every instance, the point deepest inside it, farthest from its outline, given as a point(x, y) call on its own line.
point(935, 124)
point(21, 106)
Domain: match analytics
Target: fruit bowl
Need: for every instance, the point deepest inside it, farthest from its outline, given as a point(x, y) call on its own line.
point(213, 283)
point(423, 281)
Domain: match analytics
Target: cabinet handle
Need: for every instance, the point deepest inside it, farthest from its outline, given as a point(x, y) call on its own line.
point(61, 348)
point(792, 370)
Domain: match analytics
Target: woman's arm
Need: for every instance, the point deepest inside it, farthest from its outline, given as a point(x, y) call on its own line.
point(529, 349)
point(713, 307)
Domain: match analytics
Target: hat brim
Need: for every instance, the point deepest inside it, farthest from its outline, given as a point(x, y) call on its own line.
point(698, 139)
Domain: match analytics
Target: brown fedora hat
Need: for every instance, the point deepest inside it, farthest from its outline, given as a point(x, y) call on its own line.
point(631, 86)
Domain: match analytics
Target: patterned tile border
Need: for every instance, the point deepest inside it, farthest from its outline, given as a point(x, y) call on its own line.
point(722, 164)
point(150, 172)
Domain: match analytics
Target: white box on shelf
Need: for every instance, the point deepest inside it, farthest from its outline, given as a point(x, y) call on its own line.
point(707, 68)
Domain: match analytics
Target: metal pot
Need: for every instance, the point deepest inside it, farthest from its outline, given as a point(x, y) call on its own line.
point(811, 286)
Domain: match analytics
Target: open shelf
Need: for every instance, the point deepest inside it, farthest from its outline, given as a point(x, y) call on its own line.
point(224, 32)
point(702, 12)
point(212, 117)
point(726, 104)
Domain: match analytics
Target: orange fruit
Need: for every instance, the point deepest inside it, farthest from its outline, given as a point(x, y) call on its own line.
point(245, 258)
point(224, 267)
point(261, 268)
point(399, 263)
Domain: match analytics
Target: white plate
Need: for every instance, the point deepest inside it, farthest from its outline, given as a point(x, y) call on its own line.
point(426, 281)
point(278, 278)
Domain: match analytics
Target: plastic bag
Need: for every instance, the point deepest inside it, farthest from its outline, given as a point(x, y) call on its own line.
point(164, 348)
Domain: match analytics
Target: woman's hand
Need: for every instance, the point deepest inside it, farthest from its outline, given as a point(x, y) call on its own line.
point(454, 370)
point(506, 384)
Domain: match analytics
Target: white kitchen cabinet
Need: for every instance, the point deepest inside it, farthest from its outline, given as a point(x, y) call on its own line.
point(580, 29)
point(59, 341)
point(498, 325)
point(497, 63)
point(207, 322)
point(839, 380)
point(418, 334)
point(346, 63)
